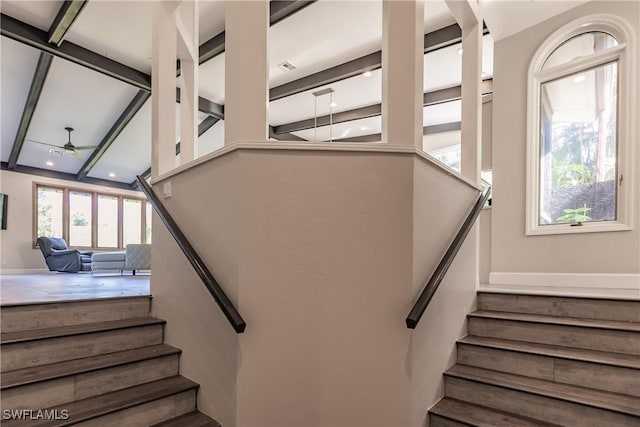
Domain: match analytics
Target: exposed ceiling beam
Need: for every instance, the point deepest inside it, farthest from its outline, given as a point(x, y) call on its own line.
point(284, 136)
point(64, 19)
point(204, 126)
point(134, 106)
point(442, 128)
point(426, 130)
point(433, 41)
point(37, 83)
point(65, 176)
point(34, 37)
point(430, 98)
point(278, 10)
point(146, 175)
point(343, 71)
point(211, 48)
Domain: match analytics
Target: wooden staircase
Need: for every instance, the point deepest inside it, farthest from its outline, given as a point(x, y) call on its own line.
point(99, 362)
point(533, 360)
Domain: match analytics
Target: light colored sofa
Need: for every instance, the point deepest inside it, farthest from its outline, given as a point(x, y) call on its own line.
point(137, 257)
point(134, 257)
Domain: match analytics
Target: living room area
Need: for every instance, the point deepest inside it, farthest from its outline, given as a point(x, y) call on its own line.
point(68, 240)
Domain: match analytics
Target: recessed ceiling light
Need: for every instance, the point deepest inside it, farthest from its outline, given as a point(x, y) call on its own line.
point(111, 174)
point(49, 163)
point(484, 75)
point(460, 51)
point(333, 104)
point(367, 74)
point(579, 78)
point(364, 128)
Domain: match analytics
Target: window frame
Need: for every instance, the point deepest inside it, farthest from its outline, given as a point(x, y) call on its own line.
point(625, 57)
point(94, 215)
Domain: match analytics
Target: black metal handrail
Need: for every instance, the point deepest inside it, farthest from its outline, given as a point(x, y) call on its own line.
point(447, 259)
point(212, 285)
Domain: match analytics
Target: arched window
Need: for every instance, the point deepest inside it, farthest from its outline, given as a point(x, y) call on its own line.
point(580, 121)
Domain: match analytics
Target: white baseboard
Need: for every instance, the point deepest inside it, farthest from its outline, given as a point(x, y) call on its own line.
point(25, 271)
point(578, 284)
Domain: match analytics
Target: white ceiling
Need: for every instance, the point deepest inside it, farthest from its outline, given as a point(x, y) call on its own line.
point(73, 96)
point(508, 17)
point(15, 80)
point(319, 36)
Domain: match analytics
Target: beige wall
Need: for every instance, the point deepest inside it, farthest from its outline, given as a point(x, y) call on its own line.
point(317, 250)
point(205, 204)
point(440, 207)
point(512, 251)
point(18, 254)
point(485, 244)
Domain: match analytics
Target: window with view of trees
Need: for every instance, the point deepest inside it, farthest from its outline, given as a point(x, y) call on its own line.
point(576, 136)
point(89, 219)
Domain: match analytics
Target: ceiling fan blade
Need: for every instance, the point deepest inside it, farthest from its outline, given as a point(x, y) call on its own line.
point(85, 147)
point(75, 154)
point(44, 143)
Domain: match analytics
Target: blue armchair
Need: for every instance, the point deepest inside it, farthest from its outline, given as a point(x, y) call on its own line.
point(60, 258)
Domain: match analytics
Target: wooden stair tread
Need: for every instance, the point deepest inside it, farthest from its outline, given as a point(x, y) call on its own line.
point(64, 301)
point(600, 399)
point(480, 416)
point(39, 373)
point(592, 356)
point(543, 294)
point(556, 320)
point(62, 331)
point(192, 419)
point(92, 407)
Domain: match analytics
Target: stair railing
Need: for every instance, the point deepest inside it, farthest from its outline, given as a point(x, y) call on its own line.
point(445, 262)
point(212, 285)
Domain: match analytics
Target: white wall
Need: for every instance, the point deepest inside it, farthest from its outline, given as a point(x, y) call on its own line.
point(323, 253)
point(17, 252)
point(512, 251)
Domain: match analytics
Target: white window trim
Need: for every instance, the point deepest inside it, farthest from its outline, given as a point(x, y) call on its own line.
point(625, 54)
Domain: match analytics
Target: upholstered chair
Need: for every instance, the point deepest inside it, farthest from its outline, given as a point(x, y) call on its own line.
point(60, 258)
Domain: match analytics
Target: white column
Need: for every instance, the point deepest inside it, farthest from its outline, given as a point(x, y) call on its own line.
point(246, 71)
point(163, 88)
point(402, 72)
point(187, 24)
point(467, 13)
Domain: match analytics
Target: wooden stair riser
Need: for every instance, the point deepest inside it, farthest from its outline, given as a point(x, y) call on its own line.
point(80, 386)
point(438, 421)
point(40, 316)
point(618, 341)
point(538, 407)
point(193, 419)
point(581, 308)
point(585, 374)
point(51, 350)
point(149, 413)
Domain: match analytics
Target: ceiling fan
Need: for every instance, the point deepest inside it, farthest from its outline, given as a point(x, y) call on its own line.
point(68, 147)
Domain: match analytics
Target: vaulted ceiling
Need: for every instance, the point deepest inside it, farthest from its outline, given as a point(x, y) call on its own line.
point(87, 65)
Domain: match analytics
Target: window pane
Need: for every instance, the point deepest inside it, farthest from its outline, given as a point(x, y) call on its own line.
point(148, 228)
point(578, 147)
point(107, 221)
point(584, 44)
point(132, 221)
point(79, 219)
point(50, 212)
